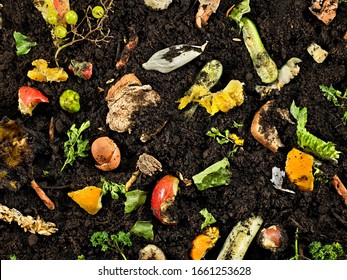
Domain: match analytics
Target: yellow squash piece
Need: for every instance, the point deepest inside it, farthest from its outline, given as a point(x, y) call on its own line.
point(204, 242)
point(41, 72)
point(88, 199)
point(299, 169)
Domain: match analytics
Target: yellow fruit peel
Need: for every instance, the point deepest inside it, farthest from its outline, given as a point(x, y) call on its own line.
point(299, 169)
point(88, 199)
point(41, 72)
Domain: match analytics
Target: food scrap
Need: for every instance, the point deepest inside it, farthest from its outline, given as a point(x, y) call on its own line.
point(324, 10)
point(69, 101)
point(124, 98)
point(28, 223)
point(151, 252)
point(106, 153)
point(89, 199)
point(299, 169)
point(317, 53)
point(205, 10)
point(41, 72)
point(47, 201)
point(204, 242)
point(158, 4)
point(340, 188)
point(148, 164)
point(81, 69)
point(163, 196)
point(273, 238)
point(23, 46)
point(267, 136)
point(29, 98)
point(129, 47)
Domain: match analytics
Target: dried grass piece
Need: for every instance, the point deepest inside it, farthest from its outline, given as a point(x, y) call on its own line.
point(47, 201)
point(340, 188)
point(28, 223)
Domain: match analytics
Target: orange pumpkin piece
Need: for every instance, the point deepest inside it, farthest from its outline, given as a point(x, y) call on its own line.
point(299, 169)
point(204, 242)
point(88, 199)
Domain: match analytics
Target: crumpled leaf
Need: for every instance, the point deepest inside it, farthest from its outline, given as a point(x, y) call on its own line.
point(22, 45)
point(171, 58)
point(277, 179)
point(42, 73)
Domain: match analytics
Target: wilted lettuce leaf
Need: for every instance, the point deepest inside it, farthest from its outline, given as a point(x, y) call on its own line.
point(143, 229)
point(209, 219)
point(22, 45)
point(134, 199)
point(215, 175)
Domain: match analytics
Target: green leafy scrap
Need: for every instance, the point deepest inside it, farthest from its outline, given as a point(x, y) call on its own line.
point(309, 142)
point(143, 229)
point(209, 219)
point(114, 188)
point(217, 174)
point(23, 46)
point(110, 242)
point(134, 199)
point(221, 138)
point(75, 146)
point(333, 95)
point(325, 252)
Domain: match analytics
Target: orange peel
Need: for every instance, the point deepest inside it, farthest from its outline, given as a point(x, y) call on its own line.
point(204, 242)
point(88, 199)
point(299, 169)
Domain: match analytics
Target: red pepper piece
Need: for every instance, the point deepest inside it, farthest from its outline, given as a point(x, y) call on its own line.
point(28, 98)
point(163, 196)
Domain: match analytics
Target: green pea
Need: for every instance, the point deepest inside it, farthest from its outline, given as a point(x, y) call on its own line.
point(70, 101)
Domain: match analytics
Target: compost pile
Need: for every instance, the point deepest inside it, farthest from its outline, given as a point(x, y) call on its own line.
point(133, 32)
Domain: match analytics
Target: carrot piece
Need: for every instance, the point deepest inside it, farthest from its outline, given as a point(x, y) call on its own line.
point(340, 188)
point(48, 202)
point(62, 6)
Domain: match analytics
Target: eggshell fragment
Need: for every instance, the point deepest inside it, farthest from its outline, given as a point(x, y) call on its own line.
point(88, 199)
point(106, 153)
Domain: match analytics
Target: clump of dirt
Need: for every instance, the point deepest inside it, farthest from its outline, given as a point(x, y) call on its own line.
point(287, 28)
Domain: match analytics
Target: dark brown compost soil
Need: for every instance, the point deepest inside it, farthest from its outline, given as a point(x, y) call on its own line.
point(287, 28)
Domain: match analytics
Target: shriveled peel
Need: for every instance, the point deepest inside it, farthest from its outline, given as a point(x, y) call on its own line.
point(206, 9)
point(299, 169)
point(204, 242)
point(325, 12)
point(42, 73)
point(266, 136)
point(340, 188)
point(88, 199)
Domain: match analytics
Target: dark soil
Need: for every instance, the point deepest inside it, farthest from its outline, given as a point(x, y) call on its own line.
point(286, 27)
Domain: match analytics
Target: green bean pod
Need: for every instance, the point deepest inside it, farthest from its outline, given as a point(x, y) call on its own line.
point(263, 63)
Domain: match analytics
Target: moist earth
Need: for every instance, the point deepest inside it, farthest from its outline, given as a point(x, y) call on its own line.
point(287, 28)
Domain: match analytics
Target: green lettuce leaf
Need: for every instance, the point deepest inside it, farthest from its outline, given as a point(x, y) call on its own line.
point(310, 143)
point(215, 175)
point(143, 229)
point(134, 199)
point(22, 45)
point(209, 219)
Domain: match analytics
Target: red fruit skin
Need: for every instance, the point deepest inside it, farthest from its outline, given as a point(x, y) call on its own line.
point(81, 69)
point(163, 196)
point(28, 98)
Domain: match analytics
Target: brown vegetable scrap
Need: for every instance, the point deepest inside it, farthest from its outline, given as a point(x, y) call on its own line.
point(47, 201)
point(268, 136)
point(28, 223)
point(340, 188)
point(129, 47)
point(206, 9)
point(124, 98)
point(325, 11)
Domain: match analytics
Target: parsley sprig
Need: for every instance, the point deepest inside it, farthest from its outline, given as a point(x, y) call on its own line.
point(75, 146)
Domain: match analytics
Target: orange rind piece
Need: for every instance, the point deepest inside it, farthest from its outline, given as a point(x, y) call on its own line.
point(204, 242)
point(299, 169)
point(88, 199)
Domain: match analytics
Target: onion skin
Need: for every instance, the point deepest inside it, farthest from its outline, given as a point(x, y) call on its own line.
point(106, 153)
point(162, 197)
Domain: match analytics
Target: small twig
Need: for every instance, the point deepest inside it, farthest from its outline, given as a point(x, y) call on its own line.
point(48, 202)
point(125, 55)
point(51, 131)
point(131, 180)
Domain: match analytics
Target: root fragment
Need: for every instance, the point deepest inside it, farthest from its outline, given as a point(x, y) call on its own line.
point(47, 201)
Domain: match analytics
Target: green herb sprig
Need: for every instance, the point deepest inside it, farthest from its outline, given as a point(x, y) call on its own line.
point(325, 252)
point(114, 188)
point(110, 242)
point(75, 146)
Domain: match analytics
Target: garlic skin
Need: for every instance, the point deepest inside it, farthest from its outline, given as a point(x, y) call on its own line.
point(106, 153)
point(158, 4)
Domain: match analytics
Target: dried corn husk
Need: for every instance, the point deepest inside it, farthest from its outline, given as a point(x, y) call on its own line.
point(28, 223)
point(171, 58)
